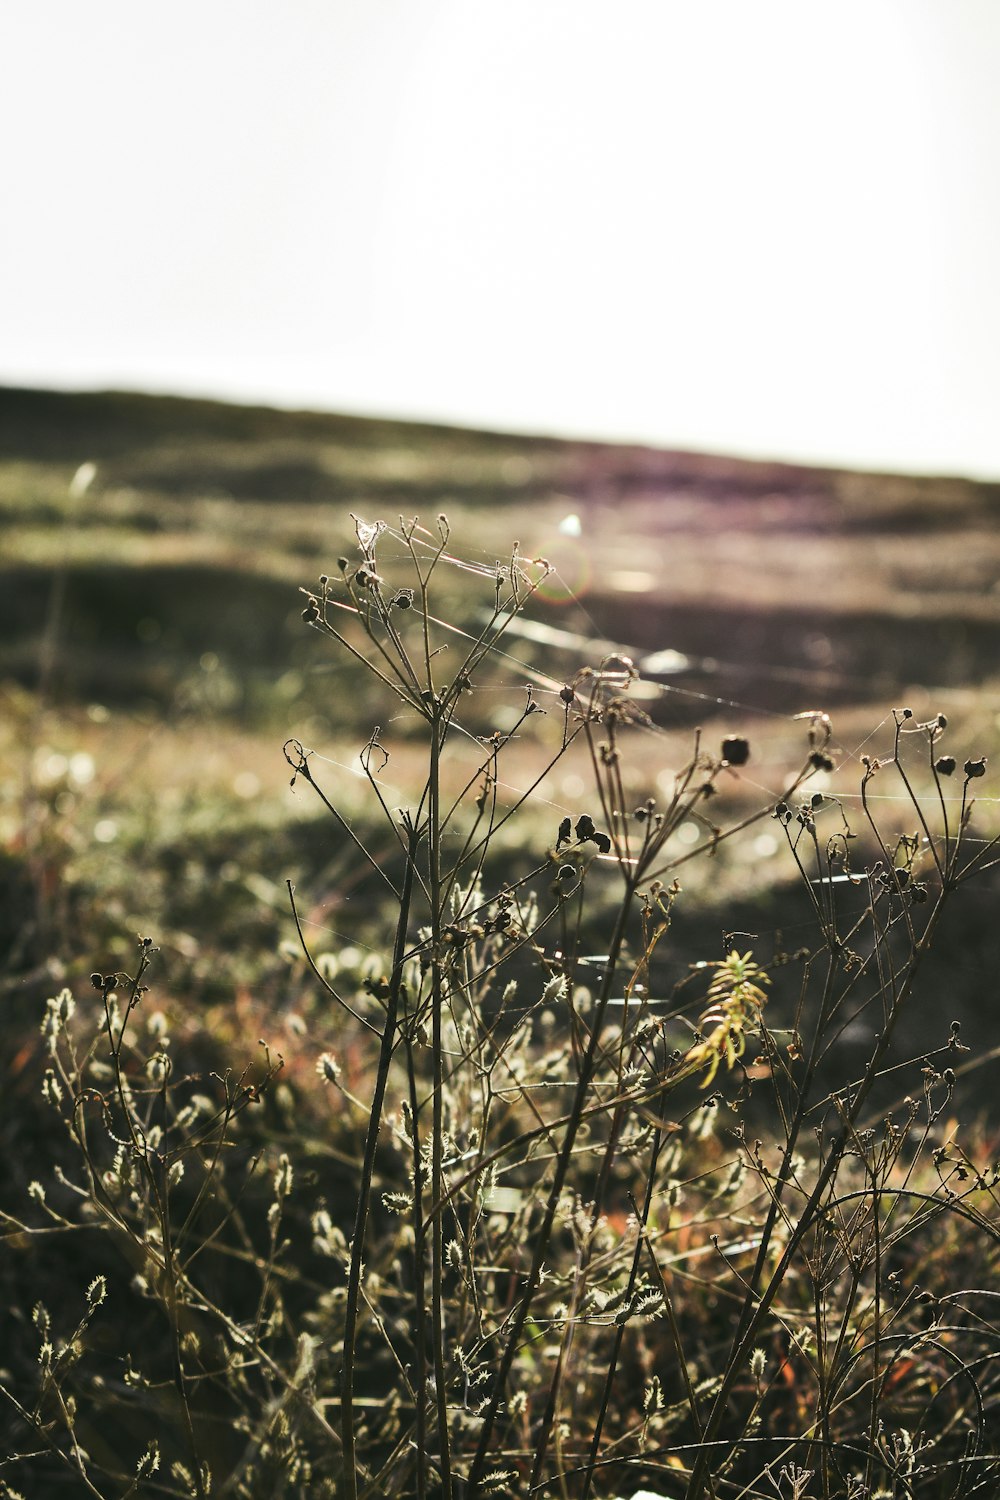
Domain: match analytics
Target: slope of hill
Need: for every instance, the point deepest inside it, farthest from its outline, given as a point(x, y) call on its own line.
point(777, 582)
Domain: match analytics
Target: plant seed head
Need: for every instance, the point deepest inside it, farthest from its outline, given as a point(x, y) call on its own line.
point(735, 750)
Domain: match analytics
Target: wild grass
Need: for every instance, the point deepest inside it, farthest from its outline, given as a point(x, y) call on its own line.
point(528, 1208)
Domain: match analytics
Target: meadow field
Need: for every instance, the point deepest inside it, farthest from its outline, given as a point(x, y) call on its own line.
point(411, 764)
point(151, 628)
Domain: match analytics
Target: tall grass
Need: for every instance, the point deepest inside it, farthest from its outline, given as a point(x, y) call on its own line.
point(555, 1220)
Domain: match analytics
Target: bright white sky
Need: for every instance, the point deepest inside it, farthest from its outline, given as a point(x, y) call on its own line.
point(760, 226)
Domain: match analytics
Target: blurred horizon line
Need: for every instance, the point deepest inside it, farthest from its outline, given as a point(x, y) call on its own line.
point(301, 403)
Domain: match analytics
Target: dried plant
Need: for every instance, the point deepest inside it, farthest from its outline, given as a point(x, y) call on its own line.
point(597, 1226)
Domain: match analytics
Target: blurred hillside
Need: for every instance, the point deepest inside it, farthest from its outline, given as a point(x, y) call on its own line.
point(775, 582)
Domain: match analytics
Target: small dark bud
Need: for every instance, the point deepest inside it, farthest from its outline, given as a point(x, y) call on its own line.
point(311, 612)
point(736, 750)
point(949, 1077)
point(567, 694)
point(641, 814)
point(907, 713)
point(585, 826)
point(109, 981)
point(918, 893)
point(942, 721)
point(820, 761)
point(817, 799)
point(342, 564)
point(945, 766)
point(902, 877)
point(97, 980)
point(566, 873)
point(403, 600)
point(565, 833)
point(324, 579)
point(603, 842)
point(781, 811)
point(974, 768)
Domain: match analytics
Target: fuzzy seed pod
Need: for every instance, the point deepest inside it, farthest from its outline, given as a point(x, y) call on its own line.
point(735, 750)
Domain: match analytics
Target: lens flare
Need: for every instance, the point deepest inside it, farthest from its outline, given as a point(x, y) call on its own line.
point(572, 570)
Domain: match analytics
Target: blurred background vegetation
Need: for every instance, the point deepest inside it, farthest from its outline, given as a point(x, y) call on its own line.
point(153, 659)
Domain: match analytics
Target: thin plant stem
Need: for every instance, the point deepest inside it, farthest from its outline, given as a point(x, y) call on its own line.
point(367, 1170)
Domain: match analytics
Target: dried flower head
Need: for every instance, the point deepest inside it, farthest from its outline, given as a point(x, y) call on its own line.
point(328, 1068)
point(735, 750)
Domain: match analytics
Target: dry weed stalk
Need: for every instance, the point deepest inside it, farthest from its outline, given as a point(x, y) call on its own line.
point(568, 1267)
